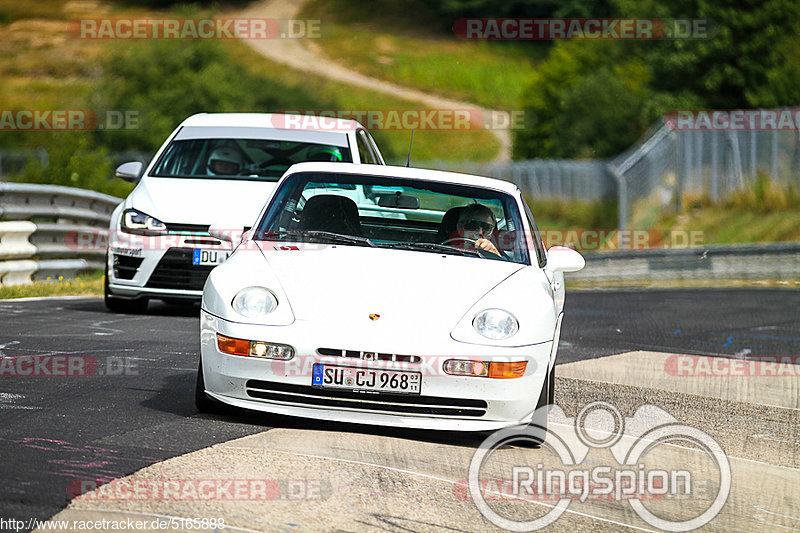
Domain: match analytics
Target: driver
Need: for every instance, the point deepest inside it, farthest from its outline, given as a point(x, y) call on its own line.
point(476, 223)
point(325, 153)
point(225, 161)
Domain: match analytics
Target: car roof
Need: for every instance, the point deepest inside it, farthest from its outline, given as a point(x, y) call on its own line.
point(272, 120)
point(389, 171)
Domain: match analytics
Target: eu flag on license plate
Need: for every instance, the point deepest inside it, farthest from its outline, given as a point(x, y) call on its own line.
point(317, 376)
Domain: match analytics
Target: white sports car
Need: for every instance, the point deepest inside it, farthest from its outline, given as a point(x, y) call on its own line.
point(228, 163)
point(389, 296)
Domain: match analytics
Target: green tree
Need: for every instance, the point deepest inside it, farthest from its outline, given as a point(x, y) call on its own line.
point(167, 81)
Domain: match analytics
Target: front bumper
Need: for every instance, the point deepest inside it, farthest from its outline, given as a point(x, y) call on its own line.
point(445, 402)
point(159, 267)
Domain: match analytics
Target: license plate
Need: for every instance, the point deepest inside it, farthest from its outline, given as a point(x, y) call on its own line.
point(343, 377)
point(209, 257)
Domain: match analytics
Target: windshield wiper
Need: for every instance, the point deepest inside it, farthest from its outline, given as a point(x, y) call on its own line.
point(337, 237)
point(431, 247)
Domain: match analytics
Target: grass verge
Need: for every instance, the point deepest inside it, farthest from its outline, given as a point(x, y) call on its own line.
point(90, 284)
point(384, 44)
point(462, 145)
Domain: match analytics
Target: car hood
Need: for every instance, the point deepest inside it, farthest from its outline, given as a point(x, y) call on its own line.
point(201, 201)
point(410, 291)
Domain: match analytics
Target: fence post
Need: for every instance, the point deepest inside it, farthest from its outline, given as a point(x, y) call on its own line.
point(714, 166)
point(622, 197)
point(733, 139)
point(774, 169)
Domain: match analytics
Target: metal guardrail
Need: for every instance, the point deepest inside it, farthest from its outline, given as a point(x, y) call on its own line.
point(37, 239)
point(38, 222)
point(774, 261)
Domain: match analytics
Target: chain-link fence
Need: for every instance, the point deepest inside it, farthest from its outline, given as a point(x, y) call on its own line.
point(543, 178)
point(666, 166)
point(671, 164)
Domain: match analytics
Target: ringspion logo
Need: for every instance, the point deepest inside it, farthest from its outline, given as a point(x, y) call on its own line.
point(602, 455)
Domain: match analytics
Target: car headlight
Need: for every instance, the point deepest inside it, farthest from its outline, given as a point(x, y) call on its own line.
point(495, 324)
point(139, 223)
point(254, 302)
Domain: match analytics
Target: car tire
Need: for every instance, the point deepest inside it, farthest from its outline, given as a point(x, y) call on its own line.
point(121, 305)
point(202, 401)
point(538, 425)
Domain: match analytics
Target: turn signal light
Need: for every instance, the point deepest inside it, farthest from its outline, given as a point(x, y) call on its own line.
point(233, 346)
point(507, 370)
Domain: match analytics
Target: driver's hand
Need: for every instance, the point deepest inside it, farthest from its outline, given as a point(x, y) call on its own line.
point(487, 245)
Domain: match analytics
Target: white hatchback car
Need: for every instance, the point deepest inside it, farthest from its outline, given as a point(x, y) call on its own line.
point(211, 166)
point(334, 308)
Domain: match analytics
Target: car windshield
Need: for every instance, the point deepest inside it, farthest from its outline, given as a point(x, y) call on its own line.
point(408, 214)
point(249, 159)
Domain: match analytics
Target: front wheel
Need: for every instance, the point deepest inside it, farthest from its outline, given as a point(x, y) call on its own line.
point(538, 424)
point(202, 401)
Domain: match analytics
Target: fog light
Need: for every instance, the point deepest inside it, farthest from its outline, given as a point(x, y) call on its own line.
point(460, 367)
point(270, 350)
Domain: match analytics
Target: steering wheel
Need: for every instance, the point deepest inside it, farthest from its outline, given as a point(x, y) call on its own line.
point(461, 239)
point(473, 242)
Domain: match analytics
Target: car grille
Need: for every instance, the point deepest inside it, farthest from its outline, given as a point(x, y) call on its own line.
point(386, 402)
point(368, 356)
point(198, 229)
point(176, 271)
point(125, 267)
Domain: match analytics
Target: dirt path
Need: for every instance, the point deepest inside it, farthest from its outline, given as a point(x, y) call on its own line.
point(301, 54)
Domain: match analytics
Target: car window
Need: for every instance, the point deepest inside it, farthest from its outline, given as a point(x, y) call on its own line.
point(392, 212)
point(241, 158)
point(535, 238)
point(365, 149)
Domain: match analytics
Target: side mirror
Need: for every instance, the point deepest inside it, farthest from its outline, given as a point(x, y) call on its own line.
point(562, 259)
point(130, 171)
point(226, 231)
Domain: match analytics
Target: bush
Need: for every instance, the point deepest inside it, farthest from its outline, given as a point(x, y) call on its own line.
point(765, 196)
point(74, 161)
point(168, 81)
point(576, 214)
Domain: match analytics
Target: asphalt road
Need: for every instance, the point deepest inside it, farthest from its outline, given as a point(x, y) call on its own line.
point(136, 408)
